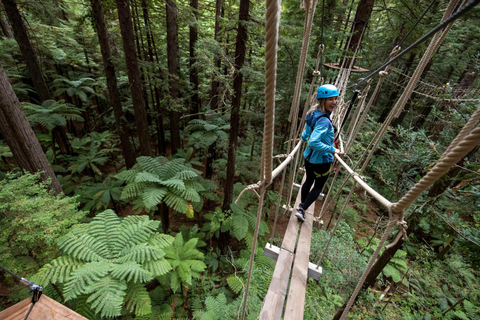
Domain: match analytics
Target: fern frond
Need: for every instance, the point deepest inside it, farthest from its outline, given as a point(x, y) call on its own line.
point(130, 272)
point(135, 230)
point(169, 169)
point(175, 202)
point(107, 296)
point(57, 271)
point(138, 300)
point(132, 190)
point(174, 183)
point(85, 247)
point(196, 265)
point(147, 177)
point(236, 284)
point(140, 253)
point(127, 175)
point(162, 240)
point(190, 195)
point(106, 228)
point(185, 174)
point(84, 276)
point(149, 164)
point(157, 267)
point(153, 196)
point(239, 226)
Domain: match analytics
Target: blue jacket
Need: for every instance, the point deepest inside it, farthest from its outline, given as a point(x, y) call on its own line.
point(320, 136)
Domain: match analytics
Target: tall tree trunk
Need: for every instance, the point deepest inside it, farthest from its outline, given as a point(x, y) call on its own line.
point(19, 135)
point(33, 67)
point(27, 49)
point(109, 69)
point(152, 54)
point(7, 31)
point(172, 53)
point(195, 100)
point(214, 101)
point(240, 49)
point(133, 70)
point(364, 11)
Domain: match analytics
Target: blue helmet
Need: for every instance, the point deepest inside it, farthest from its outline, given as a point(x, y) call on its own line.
point(327, 91)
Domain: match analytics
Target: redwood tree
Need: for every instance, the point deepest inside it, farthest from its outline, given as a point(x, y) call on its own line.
point(19, 135)
point(172, 56)
point(240, 49)
point(109, 69)
point(362, 15)
point(195, 100)
point(133, 71)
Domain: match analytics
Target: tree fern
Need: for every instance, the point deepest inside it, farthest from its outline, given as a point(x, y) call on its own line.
point(186, 262)
point(138, 300)
point(153, 181)
point(107, 258)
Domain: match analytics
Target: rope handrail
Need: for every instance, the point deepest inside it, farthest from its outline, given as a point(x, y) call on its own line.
point(274, 173)
point(470, 5)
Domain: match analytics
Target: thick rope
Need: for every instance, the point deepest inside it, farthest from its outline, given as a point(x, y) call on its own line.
point(272, 18)
point(301, 64)
point(355, 122)
point(464, 143)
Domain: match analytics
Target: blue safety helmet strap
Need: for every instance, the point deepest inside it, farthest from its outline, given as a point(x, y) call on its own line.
point(327, 91)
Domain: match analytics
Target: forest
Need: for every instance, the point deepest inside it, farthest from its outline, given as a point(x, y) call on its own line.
point(129, 128)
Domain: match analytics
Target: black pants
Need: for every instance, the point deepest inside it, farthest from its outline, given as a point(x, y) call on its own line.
point(317, 173)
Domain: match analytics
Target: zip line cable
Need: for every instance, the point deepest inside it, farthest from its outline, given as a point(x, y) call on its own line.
point(470, 5)
point(416, 24)
point(35, 289)
point(321, 40)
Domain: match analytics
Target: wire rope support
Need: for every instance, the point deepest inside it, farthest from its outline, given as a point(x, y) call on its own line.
point(310, 13)
point(469, 6)
point(272, 18)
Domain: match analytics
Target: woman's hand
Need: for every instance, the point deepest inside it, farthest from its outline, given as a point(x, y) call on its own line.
point(337, 151)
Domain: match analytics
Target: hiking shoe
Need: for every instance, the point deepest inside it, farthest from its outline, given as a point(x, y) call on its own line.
point(300, 214)
point(299, 207)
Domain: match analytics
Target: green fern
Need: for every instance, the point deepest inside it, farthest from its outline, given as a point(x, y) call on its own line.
point(158, 180)
point(186, 262)
point(107, 258)
point(216, 308)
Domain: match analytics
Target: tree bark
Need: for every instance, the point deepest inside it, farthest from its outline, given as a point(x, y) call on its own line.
point(214, 101)
point(133, 71)
point(195, 100)
point(27, 50)
point(7, 31)
point(20, 138)
point(240, 49)
point(172, 53)
point(364, 11)
point(109, 69)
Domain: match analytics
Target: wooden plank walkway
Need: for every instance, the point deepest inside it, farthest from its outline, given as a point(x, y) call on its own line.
point(275, 298)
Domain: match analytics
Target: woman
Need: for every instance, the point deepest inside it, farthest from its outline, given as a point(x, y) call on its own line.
point(319, 132)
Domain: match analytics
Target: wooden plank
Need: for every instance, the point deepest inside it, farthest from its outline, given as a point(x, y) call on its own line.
point(45, 309)
point(274, 300)
point(296, 294)
point(272, 252)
